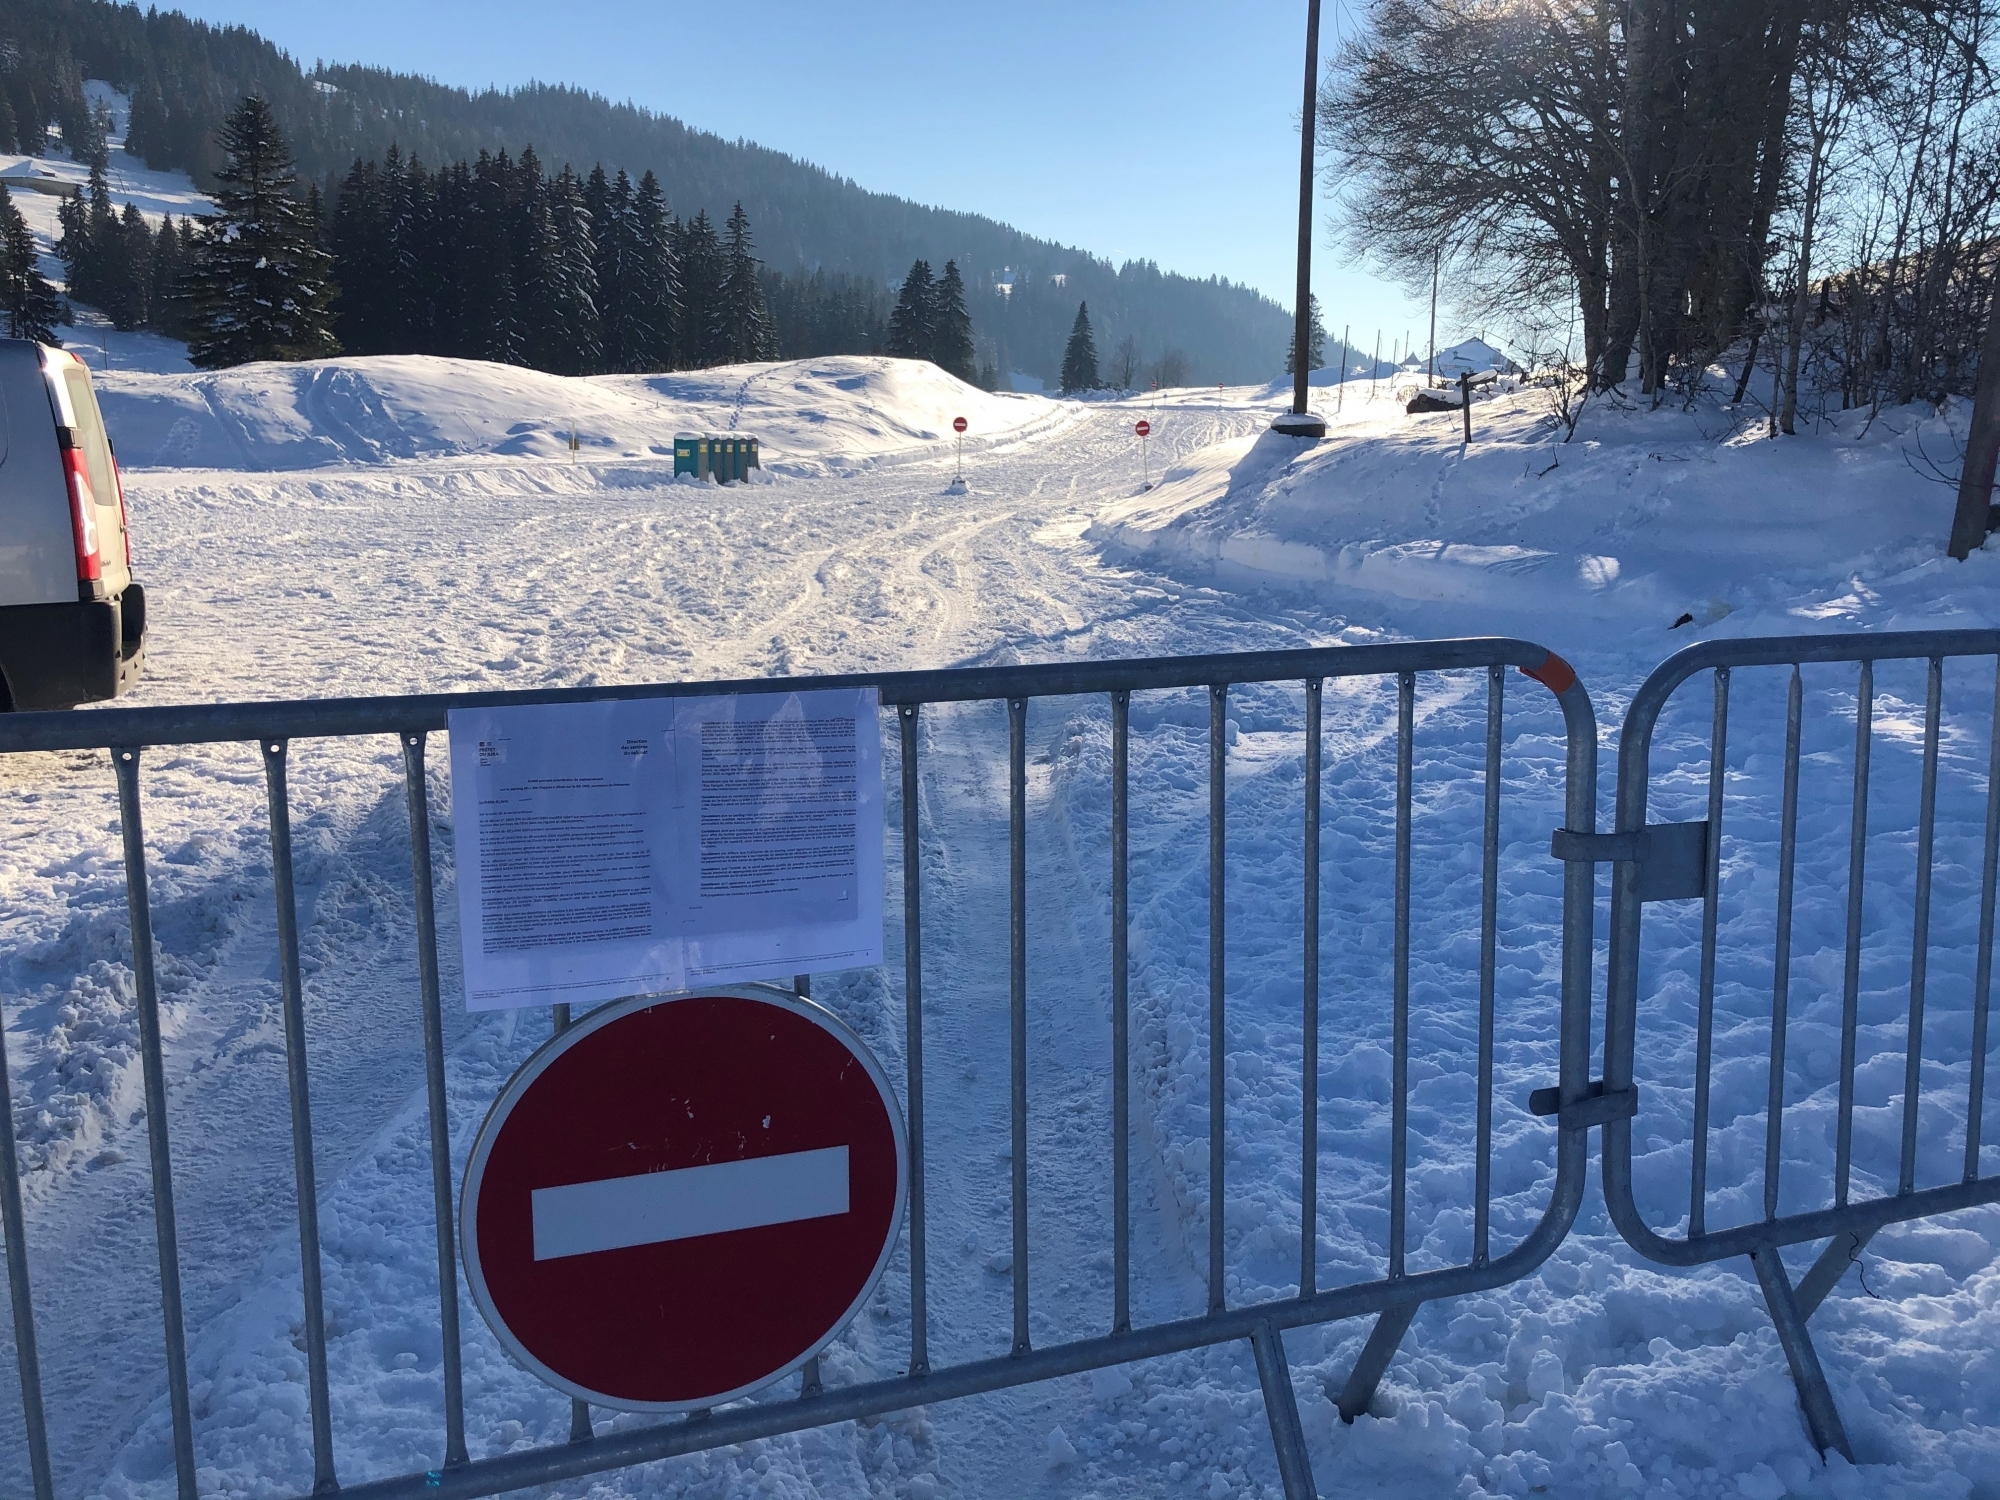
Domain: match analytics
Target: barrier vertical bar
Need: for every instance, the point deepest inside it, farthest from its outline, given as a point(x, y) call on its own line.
point(440, 1122)
point(580, 1429)
point(1399, 1083)
point(809, 1382)
point(1920, 942)
point(26, 1351)
point(1218, 702)
point(1781, 981)
point(1704, 1047)
point(913, 1037)
point(1489, 931)
point(1017, 1010)
point(292, 995)
point(1982, 979)
point(1309, 1007)
point(138, 902)
point(1121, 1043)
point(1850, 987)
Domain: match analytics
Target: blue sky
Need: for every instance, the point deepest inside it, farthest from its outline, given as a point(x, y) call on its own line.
point(1166, 130)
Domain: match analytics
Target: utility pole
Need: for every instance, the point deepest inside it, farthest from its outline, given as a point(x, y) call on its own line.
point(1435, 257)
point(1299, 421)
point(1375, 369)
point(1340, 388)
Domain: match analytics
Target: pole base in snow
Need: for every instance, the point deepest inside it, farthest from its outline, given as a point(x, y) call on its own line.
point(1299, 424)
point(957, 487)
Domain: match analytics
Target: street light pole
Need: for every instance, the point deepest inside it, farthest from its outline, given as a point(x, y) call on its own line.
point(1299, 421)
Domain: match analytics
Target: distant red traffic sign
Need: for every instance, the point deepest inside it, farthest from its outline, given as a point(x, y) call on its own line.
point(679, 1200)
point(1143, 428)
point(958, 424)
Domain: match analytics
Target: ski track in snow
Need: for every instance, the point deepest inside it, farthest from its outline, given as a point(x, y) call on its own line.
point(1598, 1376)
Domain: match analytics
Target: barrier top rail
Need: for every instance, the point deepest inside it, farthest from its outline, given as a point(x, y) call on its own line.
point(418, 713)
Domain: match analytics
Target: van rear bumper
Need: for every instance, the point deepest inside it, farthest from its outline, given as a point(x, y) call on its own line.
point(60, 655)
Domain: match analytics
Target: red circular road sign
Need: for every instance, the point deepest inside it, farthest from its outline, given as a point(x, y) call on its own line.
point(678, 1200)
point(958, 424)
point(1143, 427)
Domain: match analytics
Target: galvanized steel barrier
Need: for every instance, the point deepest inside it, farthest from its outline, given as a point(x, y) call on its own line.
point(1392, 1299)
point(1682, 861)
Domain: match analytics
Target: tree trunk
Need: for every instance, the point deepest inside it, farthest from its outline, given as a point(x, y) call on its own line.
point(1982, 447)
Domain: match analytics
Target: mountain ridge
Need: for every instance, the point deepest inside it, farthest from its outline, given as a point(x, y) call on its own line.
point(182, 74)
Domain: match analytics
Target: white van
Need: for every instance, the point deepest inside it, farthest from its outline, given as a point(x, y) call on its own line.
point(72, 621)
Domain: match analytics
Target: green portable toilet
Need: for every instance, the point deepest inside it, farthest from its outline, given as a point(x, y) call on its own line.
point(722, 457)
point(750, 456)
point(736, 464)
point(687, 454)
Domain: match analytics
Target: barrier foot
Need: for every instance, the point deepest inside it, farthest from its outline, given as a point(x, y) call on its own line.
point(1822, 1417)
point(580, 1430)
point(1374, 1362)
point(1281, 1405)
point(1833, 1263)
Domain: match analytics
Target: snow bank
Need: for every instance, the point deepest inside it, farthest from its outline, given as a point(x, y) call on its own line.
point(1640, 519)
point(807, 414)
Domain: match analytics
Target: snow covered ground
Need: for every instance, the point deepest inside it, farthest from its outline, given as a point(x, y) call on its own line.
point(415, 524)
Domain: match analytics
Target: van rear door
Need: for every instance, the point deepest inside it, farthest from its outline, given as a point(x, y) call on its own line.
point(113, 546)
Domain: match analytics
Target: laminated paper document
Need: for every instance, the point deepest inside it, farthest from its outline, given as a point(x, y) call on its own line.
point(613, 849)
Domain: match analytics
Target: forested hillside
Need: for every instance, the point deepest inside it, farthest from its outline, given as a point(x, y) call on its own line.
point(184, 75)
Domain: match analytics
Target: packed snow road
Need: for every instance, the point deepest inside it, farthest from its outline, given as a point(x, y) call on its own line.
point(453, 574)
point(409, 525)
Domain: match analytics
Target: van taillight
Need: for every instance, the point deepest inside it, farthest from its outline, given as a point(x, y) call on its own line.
point(83, 520)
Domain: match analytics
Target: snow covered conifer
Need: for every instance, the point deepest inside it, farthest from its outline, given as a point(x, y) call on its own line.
point(364, 264)
point(951, 334)
point(1079, 366)
point(571, 288)
point(913, 321)
point(262, 285)
point(165, 311)
point(745, 314)
point(703, 338)
point(654, 297)
point(28, 303)
point(1315, 343)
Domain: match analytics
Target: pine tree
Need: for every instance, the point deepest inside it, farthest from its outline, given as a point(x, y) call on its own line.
point(614, 232)
point(261, 285)
point(572, 280)
point(1079, 366)
point(653, 296)
point(363, 264)
point(1315, 345)
point(136, 258)
point(951, 333)
point(913, 320)
point(165, 312)
point(489, 306)
point(746, 317)
point(28, 303)
point(703, 338)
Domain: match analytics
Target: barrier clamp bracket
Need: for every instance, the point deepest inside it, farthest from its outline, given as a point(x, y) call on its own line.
point(1672, 857)
point(1596, 1107)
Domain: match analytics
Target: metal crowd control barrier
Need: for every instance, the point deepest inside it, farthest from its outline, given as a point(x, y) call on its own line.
point(1392, 1299)
point(1671, 861)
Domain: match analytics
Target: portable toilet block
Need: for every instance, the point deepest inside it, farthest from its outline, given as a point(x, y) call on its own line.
point(722, 457)
point(687, 454)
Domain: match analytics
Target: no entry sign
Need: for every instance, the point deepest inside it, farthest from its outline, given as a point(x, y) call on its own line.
point(958, 424)
point(678, 1200)
point(1142, 427)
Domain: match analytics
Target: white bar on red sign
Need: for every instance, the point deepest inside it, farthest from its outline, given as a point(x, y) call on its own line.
point(651, 1208)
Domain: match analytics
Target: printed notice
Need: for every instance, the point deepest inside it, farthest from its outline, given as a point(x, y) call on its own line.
point(613, 849)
